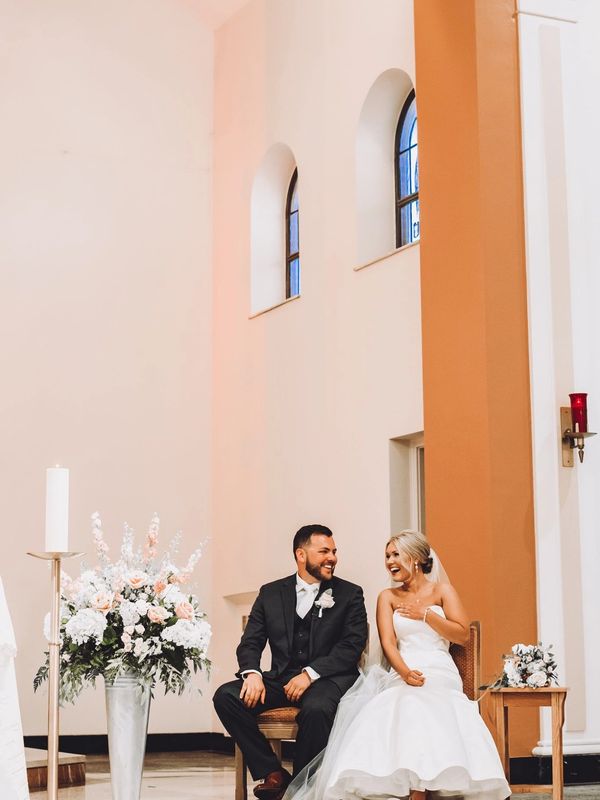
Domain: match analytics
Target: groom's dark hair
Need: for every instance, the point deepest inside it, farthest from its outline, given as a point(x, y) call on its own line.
point(306, 531)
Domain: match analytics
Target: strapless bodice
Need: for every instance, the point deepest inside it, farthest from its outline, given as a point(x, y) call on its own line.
point(414, 634)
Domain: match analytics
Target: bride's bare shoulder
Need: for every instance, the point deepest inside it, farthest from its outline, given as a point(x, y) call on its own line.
point(445, 586)
point(446, 590)
point(385, 596)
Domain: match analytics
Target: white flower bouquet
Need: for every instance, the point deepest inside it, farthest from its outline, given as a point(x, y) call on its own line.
point(529, 665)
point(132, 616)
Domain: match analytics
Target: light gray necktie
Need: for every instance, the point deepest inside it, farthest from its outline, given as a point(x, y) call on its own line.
point(305, 599)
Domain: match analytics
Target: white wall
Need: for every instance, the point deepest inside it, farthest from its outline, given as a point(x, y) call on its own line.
point(105, 292)
point(308, 395)
point(560, 71)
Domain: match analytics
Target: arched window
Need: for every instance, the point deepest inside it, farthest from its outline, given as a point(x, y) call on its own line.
point(292, 267)
point(407, 174)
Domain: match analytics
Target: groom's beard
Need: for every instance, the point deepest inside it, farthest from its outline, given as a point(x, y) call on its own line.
point(318, 572)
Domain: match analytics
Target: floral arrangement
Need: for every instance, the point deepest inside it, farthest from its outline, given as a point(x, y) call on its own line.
point(133, 616)
point(529, 665)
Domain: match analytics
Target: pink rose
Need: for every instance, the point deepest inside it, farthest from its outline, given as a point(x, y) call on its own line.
point(102, 601)
point(184, 610)
point(158, 614)
point(159, 586)
point(137, 579)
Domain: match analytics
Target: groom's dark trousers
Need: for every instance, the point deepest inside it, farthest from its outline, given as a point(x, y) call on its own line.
point(331, 642)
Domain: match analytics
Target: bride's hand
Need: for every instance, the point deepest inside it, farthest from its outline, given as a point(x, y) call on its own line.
point(412, 609)
point(414, 677)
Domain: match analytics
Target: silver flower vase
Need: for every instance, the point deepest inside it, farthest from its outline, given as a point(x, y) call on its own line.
point(127, 712)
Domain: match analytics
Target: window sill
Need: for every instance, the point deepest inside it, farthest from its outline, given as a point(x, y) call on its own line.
point(277, 305)
point(387, 255)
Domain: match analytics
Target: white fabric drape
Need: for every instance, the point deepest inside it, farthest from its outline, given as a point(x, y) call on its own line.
point(13, 772)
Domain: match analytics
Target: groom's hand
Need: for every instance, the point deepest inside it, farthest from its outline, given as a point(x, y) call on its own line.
point(295, 688)
point(253, 690)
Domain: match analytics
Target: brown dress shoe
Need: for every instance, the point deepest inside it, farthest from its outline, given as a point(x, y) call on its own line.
point(273, 786)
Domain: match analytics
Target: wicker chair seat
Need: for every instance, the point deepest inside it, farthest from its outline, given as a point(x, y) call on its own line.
point(286, 715)
point(279, 723)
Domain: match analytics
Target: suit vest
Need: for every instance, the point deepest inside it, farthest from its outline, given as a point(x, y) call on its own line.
point(300, 641)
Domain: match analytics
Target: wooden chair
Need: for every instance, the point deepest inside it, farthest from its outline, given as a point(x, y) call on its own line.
point(467, 658)
point(279, 724)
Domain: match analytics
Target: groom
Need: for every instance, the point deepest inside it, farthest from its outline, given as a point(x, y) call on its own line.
point(316, 627)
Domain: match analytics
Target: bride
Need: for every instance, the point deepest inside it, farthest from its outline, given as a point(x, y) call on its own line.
point(409, 729)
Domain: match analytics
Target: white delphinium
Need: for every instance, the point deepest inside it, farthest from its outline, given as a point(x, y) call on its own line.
point(86, 624)
point(127, 554)
point(98, 535)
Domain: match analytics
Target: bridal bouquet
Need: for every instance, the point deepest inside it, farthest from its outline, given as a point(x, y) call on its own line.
point(132, 616)
point(529, 665)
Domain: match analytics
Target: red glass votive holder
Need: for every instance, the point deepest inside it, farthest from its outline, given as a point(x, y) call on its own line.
point(579, 411)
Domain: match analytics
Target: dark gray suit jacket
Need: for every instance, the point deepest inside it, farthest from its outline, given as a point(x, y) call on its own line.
point(337, 637)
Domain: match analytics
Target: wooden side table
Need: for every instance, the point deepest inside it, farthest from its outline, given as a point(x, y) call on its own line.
point(553, 696)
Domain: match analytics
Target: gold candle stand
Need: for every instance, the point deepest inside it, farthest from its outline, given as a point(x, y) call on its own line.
point(54, 667)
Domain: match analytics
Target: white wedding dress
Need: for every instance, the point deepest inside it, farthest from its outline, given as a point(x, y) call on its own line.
point(390, 738)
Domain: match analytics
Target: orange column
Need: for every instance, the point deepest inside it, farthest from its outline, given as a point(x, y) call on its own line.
point(474, 318)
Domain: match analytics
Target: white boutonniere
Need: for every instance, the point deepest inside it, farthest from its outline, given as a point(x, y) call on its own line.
point(325, 601)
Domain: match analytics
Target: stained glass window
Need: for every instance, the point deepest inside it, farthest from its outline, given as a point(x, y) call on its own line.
point(407, 175)
point(292, 280)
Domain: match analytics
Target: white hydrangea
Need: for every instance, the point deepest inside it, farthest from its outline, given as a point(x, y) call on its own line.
point(129, 613)
point(142, 606)
point(85, 625)
point(189, 635)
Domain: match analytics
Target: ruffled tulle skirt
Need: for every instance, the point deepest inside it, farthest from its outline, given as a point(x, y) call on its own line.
point(389, 739)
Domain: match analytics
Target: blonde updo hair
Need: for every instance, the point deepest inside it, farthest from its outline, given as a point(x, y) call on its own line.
point(414, 545)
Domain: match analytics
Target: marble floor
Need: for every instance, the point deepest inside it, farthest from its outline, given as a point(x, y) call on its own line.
point(206, 776)
point(167, 776)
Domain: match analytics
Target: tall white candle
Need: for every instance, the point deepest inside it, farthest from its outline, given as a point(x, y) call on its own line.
point(57, 509)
